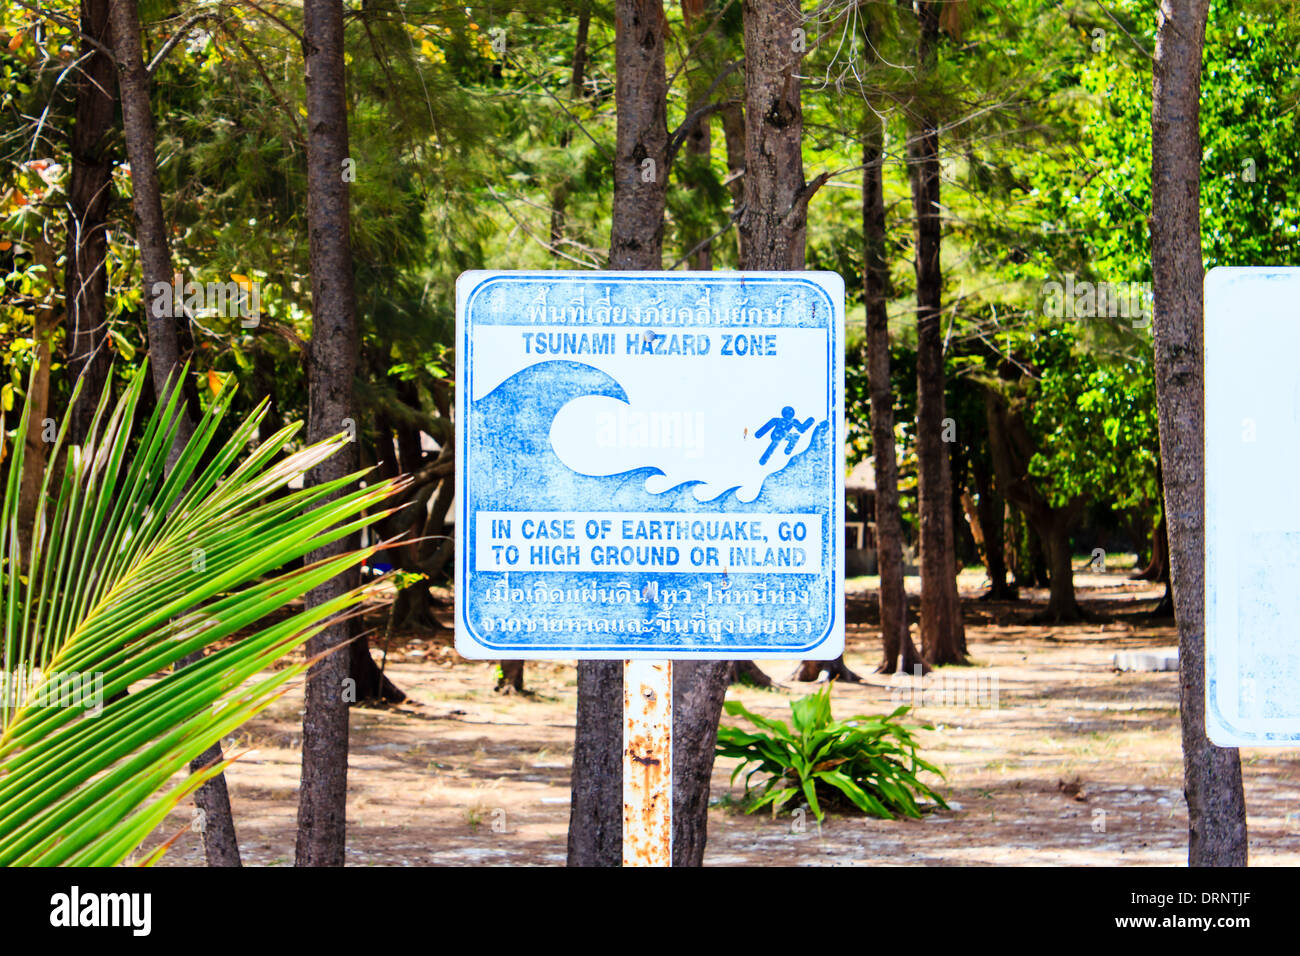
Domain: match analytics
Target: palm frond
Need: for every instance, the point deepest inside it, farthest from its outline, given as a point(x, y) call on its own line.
point(131, 569)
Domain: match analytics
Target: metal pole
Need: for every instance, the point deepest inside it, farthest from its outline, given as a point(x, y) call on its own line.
point(647, 763)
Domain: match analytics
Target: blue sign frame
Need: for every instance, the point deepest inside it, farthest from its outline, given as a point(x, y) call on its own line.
point(649, 465)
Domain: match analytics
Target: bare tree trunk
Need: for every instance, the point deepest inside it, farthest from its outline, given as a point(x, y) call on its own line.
point(810, 671)
point(641, 97)
point(44, 322)
point(511, 680)
point(146, 202)
point(219, 842)
point(1216, 811)
point(894, 631)
point(596, 799)
point(774, 222)
point(560, 194)
point(699, 145)
point(89, 191)
point(331, 368)
point(1055, 534)
point(636, 242)
point(943, 636)
point(1011, 448)
point(991, 510)
point(1157, 568)
point(733, 133)
point(698, 690)
point(371, 684)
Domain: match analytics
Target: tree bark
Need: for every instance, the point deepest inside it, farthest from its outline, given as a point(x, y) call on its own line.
point(1061, 603)
point(1011, 448)
point(991, 510)
point(511, 680)
point(774, 221)
point(371, 684)
point(698, 690)
point(146, 202)
point(895, 633)
point(733, 134)
point(773, 225)
point(1216, 811)
point(641, 101)
point(943, 635)
point(636, 242)
point(331, 368)
point(89, 191)
point(577, 71)
point(810, 671)
point(219, 841)
point(596, 799)
point(1157, 568)
point(44, 321)
point(699, 146)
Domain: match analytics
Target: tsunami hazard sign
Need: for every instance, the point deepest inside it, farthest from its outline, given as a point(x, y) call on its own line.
point(649, 465)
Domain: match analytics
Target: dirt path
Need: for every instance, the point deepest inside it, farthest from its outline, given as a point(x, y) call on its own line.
point(1052, 758)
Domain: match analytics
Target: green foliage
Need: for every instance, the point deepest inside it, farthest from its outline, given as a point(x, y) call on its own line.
point(869, 762)
point(131, 569)
point(1096, 421)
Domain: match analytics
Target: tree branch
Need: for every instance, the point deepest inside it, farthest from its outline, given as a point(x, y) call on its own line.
point(701, 109)
point(71, 24)
point(174, 39)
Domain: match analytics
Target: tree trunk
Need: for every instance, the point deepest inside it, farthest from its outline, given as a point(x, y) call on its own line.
point(636, 242)
point(89, 191)
point(596, 799)
point(641, 101)
point(1036, 553)
point(991, 510)
point(219, 841)
point(699, 147)
point(560, 194)
point(943, 636)
point(1011, 449)
point(511, 680)
point(44, 322)
point(371, 685)
point(747, 672)
point(810, 671)
point(773, 225)
point(331, 368)
point(895, 633)
point(1157, 568)
point(774, 222)
point(146, 202)
point(1216, 810)
point(733, 134)
point(1061, 605)
point(698, 690)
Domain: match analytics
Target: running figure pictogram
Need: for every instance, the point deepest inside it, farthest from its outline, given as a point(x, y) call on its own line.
point(787, 427)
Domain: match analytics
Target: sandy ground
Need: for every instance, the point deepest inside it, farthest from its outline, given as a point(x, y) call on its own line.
point(1051, 757)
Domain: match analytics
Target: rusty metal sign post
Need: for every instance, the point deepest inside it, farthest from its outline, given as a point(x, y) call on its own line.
point(649, 468)
point(647, 763)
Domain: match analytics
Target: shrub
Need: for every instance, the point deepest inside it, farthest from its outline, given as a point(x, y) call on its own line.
point(868, 762)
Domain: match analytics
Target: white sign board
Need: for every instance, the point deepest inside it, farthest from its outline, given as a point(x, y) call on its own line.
point(649, 465)
point(1252, 506)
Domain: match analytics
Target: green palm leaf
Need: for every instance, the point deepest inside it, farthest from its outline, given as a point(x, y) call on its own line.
point(132, 568)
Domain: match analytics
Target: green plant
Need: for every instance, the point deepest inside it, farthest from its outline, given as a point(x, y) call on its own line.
point(870, 762)
point(132, 568)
